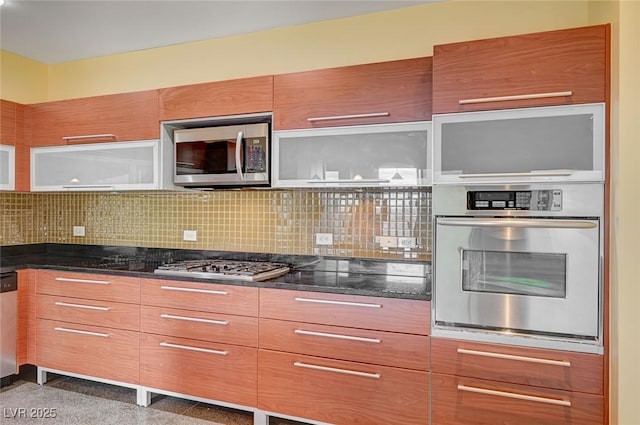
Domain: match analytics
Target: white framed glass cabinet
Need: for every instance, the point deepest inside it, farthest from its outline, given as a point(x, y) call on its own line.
point(7, 167)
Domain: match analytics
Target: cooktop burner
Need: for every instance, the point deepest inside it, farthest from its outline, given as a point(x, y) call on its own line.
point(225, 269)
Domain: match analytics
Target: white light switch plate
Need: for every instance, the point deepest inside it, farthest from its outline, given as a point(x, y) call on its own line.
point(78, 230)
point(324, 239)
point(190, 235)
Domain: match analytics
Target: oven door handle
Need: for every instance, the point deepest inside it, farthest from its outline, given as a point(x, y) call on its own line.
point(238, 150)
point(518, 223)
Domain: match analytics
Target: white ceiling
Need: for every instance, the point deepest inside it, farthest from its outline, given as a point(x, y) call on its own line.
point(53, 31)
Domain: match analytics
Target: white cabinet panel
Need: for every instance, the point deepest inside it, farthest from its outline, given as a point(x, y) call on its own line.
point(371, 155)
point(7, 167)
point(98, 166)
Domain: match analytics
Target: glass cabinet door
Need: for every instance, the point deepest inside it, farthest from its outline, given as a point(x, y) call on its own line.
point(373, 155)
point(7, 167)
point(520, 145)
point(98, 166)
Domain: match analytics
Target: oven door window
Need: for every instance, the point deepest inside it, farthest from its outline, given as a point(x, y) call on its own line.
point(519, 273)
point(206, 157)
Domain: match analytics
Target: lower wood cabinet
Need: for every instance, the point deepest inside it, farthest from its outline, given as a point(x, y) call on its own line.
point(458, 400)
point(199, 368)
point(97, 351)
point(341, 392)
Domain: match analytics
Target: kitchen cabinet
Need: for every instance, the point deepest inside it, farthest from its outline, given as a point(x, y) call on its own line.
point(109, 118)
point(26, 344)
point(13, 137)
point(540, 69)
point(509, 384)
point(200, 339)
point(231, 97)
point(343, 359)
point(394, 91)
point(88, 324)
point(138, 165)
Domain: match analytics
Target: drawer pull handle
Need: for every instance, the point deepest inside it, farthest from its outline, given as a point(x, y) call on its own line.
point(186, 347)
point(515, 97)
point(347, 303)
point(515, 395)
point(88, 307)
point(195, 319)
point(200, 291)
point(94, 282)
point(347, 117)
point(336, 370)
point(337, 336)
point(76, 331)
point(514, 357)
point(89, 136)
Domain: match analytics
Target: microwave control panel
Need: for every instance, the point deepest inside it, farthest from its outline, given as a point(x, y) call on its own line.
point(529, 200)
point(256, 155)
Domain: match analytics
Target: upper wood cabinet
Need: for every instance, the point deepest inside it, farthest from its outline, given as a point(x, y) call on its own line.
point(110, 118)
point(241, 96)
point(13, 133)
point(395, 91)
point(540, 69)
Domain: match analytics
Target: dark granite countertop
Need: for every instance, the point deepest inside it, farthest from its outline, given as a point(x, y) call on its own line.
point(355, 276)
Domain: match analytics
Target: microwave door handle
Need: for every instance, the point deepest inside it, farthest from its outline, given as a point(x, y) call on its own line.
point(518, 223)
point(238, 151)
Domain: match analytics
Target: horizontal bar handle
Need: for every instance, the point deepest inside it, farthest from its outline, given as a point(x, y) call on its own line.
point(516, 97)
point(90, 136)
point(349, 181)
point(345, 303)
point(200, 291)
point(77, 331)
point(195, 319)
point(541, 173)
point(88, 307)
point(347, 117)
point(94, 282)
point(336, 370)
point(517, 396)
point(338, 336)
point(88, 186)
point(517, 223)
point(514, 357)
point(201, 350)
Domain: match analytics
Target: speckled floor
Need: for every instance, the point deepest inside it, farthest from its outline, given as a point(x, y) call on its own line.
point(76, 401)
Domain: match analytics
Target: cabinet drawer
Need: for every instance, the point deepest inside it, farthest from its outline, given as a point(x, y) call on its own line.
point(89, 312)
point(377, 313)
point(88, 350)
point(394, 91)
point(87, 285)
point(215, 327)
point(566, 66)
point(341, 393)
point(531, 366)
point(376, 347)
point(202, 369)
point(466, 401)
point(209, 297)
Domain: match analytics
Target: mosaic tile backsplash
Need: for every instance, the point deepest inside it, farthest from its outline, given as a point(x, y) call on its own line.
point(269, 221)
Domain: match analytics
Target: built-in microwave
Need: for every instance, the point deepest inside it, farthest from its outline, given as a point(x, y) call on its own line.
point(226, 155)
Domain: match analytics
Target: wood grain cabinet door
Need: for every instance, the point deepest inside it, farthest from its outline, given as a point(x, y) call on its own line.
point(540, 69)
point(90, 286)
point(231, 97)
point(385, 92)
point(110, 118)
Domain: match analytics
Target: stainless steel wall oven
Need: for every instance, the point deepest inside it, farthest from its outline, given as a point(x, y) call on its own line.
point(520, 264)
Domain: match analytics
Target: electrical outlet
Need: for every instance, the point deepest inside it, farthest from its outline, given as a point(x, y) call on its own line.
point(78, 230)
point(190, 235)
point(324, 239)
point(388, 241)
point(407, 243)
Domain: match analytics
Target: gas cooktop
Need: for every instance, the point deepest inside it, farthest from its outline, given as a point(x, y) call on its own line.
point(225, 269)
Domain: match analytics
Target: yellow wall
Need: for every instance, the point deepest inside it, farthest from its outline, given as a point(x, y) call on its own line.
point(397, 34)
point(22, 80)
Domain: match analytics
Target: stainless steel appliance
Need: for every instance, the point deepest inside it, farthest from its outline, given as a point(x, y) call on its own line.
point(8, 323)
point(224, 269)
point(520, 264)
point(225, 155)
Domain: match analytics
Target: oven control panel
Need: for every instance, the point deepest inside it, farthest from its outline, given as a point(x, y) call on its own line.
point(529, 200)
